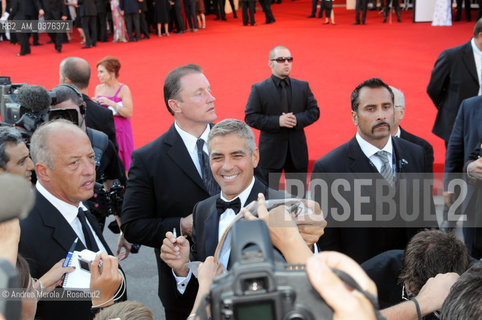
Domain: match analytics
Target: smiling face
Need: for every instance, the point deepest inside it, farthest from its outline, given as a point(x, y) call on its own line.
point(73, 175)
point(375, 115)
point(19, 161)
point(232, 163)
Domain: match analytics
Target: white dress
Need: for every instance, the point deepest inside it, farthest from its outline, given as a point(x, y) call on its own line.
point(442, 13)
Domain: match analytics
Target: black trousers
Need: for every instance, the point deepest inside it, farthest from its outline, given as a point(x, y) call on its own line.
point(458, 15)
point(273, 175)
point(395, 6)
point(361, 5)
point(248, 12)
point(57, 38)
point(89, 25)
point(219, 8)
point(177, 16)
point(326, 5)
point(266, 5)
point(144, 25)
point(101, 27)
point(133, 18)
point(190, 10)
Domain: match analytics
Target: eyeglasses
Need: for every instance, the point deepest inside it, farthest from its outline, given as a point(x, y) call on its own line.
point(283, 59)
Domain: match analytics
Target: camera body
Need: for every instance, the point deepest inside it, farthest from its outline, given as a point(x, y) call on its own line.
point(86, 257)
point(257, 287)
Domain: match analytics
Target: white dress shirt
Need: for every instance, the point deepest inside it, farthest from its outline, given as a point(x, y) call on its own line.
point(69, 212)
point(478, 62)
point(370, 151)
point(190, 142)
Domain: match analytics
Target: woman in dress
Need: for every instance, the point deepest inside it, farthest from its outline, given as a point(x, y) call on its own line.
point(117, 97)
point(161, 15)
point(118, 22)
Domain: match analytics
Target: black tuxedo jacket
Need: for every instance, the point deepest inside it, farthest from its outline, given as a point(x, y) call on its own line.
point(25, 9)
point(263, 111)
point(364, 243)
point(454, 78)
point(100, 118)
point(87, 8)
point(163, 187)
point(45, 239)
point(427, 148)
point(129, 6)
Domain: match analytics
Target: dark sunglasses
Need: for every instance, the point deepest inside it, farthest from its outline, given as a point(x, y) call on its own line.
point(283, 59)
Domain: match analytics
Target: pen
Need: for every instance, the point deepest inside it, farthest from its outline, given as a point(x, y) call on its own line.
point(69, 255)
point(175, 235)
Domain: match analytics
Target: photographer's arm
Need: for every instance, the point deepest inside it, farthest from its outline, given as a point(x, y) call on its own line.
point(54, 277)
point(283, 231)
point(9, 238)
point(430, 298)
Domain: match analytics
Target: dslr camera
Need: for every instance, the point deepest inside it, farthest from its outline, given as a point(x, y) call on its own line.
point(258, 287)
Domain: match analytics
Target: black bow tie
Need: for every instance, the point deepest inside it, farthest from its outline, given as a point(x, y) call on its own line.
point(222, 205)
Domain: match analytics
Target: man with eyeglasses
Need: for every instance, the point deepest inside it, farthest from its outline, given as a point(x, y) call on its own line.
point(281, 107)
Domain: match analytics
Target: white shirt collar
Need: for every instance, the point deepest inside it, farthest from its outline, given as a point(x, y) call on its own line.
point(369, 149)
point(68, 211)
point(475, 48)
point(190, 140)
point(399, 132)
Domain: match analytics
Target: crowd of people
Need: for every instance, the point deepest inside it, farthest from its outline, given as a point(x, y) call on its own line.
point(369, 215)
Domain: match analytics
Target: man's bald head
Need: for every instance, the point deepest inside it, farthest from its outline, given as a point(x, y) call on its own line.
point(76, 71)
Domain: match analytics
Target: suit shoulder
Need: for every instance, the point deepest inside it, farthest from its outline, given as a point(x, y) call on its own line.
point(416, 139)
point(332, 160)
point(152, 148)
point(471, 103)
point(456, 50)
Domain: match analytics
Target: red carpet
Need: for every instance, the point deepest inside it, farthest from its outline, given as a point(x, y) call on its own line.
point(334, 59)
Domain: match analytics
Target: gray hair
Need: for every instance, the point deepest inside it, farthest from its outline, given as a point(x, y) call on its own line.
point(65, 92)
point(39, 146)
point(172, 84)
point(8, 136)
point(272, 51)
point(398, 97)
point(234, 126)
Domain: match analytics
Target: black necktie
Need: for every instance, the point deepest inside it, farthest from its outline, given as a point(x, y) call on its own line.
point(284, 96)
point(222, 205)
point(89, 237)
point(207, 176)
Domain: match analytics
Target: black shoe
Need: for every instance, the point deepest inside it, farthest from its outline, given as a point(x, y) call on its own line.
point(37, 44)
point(399, 20)
point(363, 22)
point(179, 31)
point(385, 20)
point(59, 49)
point(224, 19)
point(22, 54)
point(131, 40)
point(87, 47)
point(217, 18)
point(457, 18)
point(311, 16)
point(356, 23)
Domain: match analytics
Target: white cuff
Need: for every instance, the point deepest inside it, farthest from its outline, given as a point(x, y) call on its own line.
point(182, 281)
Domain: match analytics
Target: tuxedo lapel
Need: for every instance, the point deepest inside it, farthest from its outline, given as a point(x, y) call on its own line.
point(62, 232)
point(211, 228)
point(180, 156)
point(468, 60)
point(359, 163)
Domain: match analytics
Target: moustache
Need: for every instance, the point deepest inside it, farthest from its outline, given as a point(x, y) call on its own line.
point(381, 124)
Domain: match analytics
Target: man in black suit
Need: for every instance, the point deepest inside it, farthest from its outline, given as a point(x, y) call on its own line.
point(65, 167)
point(167, 177)
point(25, 10)
point(373, 160)
point(455, 77)
point(464, 140)
point(399, 132)
point(88, 14)
point(76, 71)
point(55, 10)
point(130, 11)
point(281, 107)
point(361, 5)
point(233, 157)
point(101, 20)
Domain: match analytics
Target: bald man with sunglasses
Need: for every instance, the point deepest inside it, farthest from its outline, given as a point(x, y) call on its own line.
point(281, 107)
